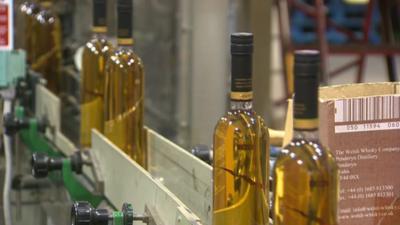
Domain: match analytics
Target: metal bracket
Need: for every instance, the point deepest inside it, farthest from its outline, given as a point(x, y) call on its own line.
point(48, 106)
point(76, 189)
point(152, 216)
point(186, 217)
point(91, 160)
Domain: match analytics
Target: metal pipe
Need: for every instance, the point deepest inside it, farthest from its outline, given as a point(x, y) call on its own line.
point(366, 29)
point(323, 43)
point(8, 173)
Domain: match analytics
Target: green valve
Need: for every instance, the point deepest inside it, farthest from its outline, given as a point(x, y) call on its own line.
point(19, 112)
point(31, 133)
point(118, 218)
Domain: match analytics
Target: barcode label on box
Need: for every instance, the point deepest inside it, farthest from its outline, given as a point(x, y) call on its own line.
point(367, 114)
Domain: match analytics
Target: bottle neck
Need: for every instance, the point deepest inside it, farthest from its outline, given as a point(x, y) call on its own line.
point(99, 35)
point(99, 16)
point(241, 105)
point(125, 22)
point(305, 121)
point(241, 82)
point(46, 4)
point(99, 30)
point(305, 105)
point(124, 48)
point(309, 135)
point(125, 42)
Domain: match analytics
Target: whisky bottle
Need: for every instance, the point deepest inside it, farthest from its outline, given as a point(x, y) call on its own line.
point(46, 45)
point(26, 13)
point(305, 175)
point(241, 149)
point(125, 91)
point(95, 55)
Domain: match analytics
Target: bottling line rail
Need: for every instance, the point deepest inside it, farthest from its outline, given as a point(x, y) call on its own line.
point(175, 190)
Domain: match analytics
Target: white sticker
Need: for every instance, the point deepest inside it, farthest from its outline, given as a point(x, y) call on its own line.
point(351, 128)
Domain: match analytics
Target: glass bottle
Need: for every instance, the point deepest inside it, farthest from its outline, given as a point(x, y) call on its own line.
point(95, 55)
point(46, 46)
point(241, 149)
point(125, 91)
point(26, 13)
point(305, 173)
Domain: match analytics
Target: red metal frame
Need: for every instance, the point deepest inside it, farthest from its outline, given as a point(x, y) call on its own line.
point(358, 47)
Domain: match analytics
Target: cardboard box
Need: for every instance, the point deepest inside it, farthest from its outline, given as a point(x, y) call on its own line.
point(360, 123)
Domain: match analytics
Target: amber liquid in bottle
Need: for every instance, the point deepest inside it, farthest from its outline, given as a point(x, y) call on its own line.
point(241, 150)
point(125, 92)
point(95, 56)
point(46, 46)
point(305, 173)
point(26, 14)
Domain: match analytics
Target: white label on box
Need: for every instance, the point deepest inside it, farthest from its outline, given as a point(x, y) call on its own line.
point(6, 25)
point(351, 128)
point(367, 114)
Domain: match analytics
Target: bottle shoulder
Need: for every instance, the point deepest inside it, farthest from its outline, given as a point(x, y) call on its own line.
point(98, 46)
point(46, 17)
point(238, 114)
point(29, 8)
point(240, 119)
point(125, 57)
point(307, 154)
point(24, 5)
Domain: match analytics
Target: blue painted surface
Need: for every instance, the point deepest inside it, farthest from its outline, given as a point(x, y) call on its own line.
point(303, 28)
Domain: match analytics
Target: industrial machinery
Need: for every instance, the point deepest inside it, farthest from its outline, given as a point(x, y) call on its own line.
point(41, 128)
point(83, 213)
point(104, 175)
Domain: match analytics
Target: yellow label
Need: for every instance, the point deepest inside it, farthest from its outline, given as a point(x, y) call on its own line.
point(91, 118)
point(99, 29)
point(242, 95)
point(125, 41)
point(289, 60)
point(46, 4)
point(307, 124)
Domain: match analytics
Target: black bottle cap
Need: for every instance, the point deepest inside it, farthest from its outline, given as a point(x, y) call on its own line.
point(241, 66)
point(99, 13)
point(307, 63)
point(125, 12)
point(306, 83)
point(242, 43)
